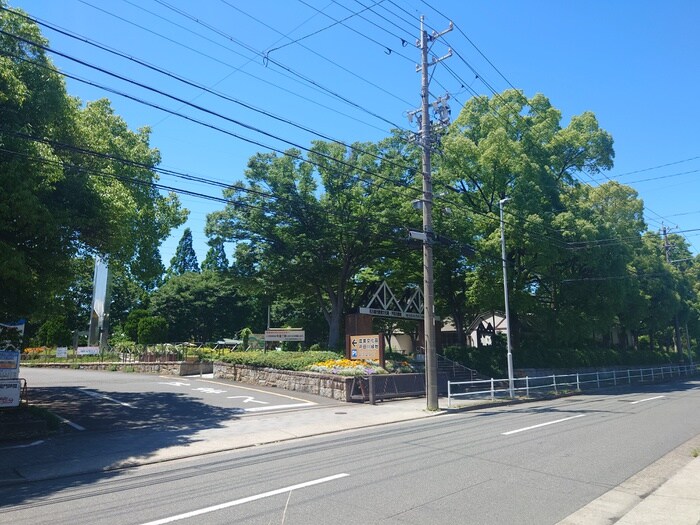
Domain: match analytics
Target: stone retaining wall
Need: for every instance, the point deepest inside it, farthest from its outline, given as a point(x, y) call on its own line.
point(171, 368)
point(334, 387)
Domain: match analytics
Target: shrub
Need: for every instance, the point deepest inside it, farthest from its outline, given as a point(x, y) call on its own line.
point(152, 330)
point(279, 360)
point(131, 326)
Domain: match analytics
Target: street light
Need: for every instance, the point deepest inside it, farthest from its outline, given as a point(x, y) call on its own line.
point(505, 292)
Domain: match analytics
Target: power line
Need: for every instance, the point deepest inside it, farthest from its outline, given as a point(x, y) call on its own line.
point(362, 78)
point(268, 60)
point(192, 119)
point(205, 89)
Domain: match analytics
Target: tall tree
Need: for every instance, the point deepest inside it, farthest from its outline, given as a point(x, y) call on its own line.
point(215, 259)
point(310, 228)
point(199, 306)
point(75, 181)
point(509, 145)
point(185, 258)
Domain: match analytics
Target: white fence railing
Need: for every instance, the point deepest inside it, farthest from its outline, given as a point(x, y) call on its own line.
point(526, 386)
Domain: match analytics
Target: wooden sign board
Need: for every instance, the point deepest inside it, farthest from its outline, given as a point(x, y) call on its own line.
point(368, 347)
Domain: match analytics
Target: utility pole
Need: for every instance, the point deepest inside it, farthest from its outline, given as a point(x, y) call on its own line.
point(426, 143)
point(678, 342)
point(511, 389)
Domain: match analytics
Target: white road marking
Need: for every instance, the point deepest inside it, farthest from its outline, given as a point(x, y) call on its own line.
point(248, 399)
point(208, 390)
point(174, 383)
point(33, 444)
point(541, 425)
point(101, 396)
point(239, 387)
point(229, 504)
point(278, 407)
point(70, 423)
point(647, 399)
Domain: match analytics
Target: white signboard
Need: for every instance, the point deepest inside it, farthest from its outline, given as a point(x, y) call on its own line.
point(9, 364)
point(10, 393)
point(88, 350)
point(284, 335)
point(62, 352)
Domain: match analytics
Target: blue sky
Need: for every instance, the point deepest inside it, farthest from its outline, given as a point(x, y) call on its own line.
point(634, 64)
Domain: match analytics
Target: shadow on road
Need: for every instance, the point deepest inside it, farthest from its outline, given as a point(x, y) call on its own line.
point(115, 434)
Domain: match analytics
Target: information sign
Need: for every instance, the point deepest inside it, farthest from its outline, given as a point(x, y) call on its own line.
point(9, 364)
point(285, 335)
point(10, 393)
point(88, 350)
point(62, 352)
point(367, 347)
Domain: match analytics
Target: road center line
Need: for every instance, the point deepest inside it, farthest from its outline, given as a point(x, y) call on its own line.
point(541, 425)
point(647, 399)
point(228, 504)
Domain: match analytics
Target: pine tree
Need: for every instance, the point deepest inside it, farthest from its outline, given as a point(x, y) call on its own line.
point(185, 259)
point(215, 260)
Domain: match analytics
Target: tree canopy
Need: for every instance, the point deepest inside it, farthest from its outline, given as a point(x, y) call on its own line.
point(76, 181)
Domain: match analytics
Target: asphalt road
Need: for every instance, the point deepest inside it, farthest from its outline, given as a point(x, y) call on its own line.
point(535, 463)
point(100, 401)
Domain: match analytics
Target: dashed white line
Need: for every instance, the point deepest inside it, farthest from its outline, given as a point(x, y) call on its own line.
point(647, 399)
point(541, 425)
point(241, 501)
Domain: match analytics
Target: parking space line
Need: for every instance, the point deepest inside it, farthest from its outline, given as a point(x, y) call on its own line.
point(69, 423)
point(102, 396)
point(541, 425)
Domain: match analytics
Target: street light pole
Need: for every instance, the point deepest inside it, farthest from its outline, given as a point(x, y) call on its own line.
point(505, 292)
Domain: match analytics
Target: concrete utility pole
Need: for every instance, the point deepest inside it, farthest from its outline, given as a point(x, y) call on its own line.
point(505, 293)
point(426, 144)
point(678, 342)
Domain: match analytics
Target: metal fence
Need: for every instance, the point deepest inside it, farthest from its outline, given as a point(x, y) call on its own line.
point(378, 387)
point(529, 386)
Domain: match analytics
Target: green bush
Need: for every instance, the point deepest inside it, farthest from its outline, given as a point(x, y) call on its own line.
point(131, 326)
point(152, 330)
point(279, 360)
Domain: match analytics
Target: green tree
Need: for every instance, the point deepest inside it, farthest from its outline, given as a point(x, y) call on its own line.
point(152, 330)
point(54, 332)
point(215, 259)
point(76, 181)
point(514, 146)
point(310, 228)
point(185, 258)
point(131, 325)
point(199, 307)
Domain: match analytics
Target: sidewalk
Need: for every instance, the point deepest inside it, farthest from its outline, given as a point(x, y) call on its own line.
point(667, 491)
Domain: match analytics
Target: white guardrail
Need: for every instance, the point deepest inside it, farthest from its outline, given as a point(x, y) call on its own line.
point(493, 388)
